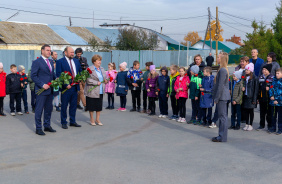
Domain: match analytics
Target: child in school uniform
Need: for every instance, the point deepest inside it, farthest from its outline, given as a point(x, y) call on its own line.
point(181, 87)
point(122, 86)
point(275, 93)
point(152, 92)
point(206, 101)
point(163, 84)
point(110, 86)
point(236, 99)
point(195, 95)
point(172, 78)
point(265, 81)
point(2, 89)
point(250, 93)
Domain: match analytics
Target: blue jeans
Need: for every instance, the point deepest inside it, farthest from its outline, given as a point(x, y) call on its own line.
point(236, 110)
point(24, 97)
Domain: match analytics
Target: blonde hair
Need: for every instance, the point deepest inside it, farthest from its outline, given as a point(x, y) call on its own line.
point(223, 63)
point(174, 67)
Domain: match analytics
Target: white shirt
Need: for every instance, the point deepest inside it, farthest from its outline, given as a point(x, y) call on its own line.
point(73, 65)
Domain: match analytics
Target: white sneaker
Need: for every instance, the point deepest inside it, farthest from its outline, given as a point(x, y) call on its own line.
point(183, 120)
point(164, 116)
point(20, 113)
point(246, 127)
point(213, 125)
point(250, 128)
point(160, 116)
point(179, 120)
point(13, 114)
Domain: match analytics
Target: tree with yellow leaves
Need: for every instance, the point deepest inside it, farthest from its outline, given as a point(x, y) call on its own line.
point(192, 37)
point(213, 31)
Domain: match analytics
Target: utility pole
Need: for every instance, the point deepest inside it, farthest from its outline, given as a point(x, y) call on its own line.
point(207, 28)
point(216, 34)
point(210, 30)
point(93, 18)
point(70, 21)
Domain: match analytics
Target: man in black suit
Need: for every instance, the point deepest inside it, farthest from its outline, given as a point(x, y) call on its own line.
point(210, 60)
point(42, 72)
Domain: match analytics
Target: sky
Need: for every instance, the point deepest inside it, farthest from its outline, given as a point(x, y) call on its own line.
point(176, 17)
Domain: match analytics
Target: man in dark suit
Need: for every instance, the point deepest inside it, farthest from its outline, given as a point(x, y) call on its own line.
point(210, 60)
point(42, 72)
point(72, 65)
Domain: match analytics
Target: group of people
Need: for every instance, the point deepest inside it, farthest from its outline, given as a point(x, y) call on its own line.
point(253, 82)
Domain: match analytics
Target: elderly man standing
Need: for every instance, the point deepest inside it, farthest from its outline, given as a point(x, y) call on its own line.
point(69, 64)
point(210, 60)
point(256, 61)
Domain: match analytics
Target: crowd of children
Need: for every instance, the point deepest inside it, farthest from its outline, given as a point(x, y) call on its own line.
point(247, 91)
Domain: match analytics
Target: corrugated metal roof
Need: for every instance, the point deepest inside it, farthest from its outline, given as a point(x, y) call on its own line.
point(84, 33)
point(67, 35)
point(103, 34)
point(26, 33)
point(168, 39)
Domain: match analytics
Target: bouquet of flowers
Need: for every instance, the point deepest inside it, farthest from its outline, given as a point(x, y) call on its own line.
point(108, 79)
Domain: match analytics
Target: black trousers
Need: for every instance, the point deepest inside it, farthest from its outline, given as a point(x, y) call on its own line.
point(152, 104)
point(174, 105)
point(163, 104)
point(1, 103)
point(249, 115)
point(136, 95)
point(111, 98)
point(182, 107)
point(15, 97)
point(206, 117)
point(265, 114)
point(145, 98)
point(122, 101)
point(33, 98)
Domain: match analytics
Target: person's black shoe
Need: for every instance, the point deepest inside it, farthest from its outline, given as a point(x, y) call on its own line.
point(214, 139)
point(139, 109)
point(132, 110)
point(65, 126)
point(112, 107)
point(85, 109)
point(260, 128)
point(79, 107)
point(152, 114)
point(49, 129)
point(237, 128)
point(2, 114)
point(231, 128)
point(59, 104)
point(58, 109)
point(40, 132)
point(33, 110)
point(75, 125)
point(271, 131)
point(109, 107)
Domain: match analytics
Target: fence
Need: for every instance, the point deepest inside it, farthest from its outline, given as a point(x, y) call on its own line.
point(160, 58)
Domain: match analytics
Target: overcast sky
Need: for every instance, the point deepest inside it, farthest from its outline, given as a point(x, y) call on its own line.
point(146, 10)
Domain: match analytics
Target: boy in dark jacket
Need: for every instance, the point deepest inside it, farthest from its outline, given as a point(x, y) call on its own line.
point(122, 86)
point(14, 85)
point(265, 81)
point(195, 95)
point(144, 79)
point(21, 71)
point(236, 99)
point(162, 86)
point(134, 81)
point(172, 78)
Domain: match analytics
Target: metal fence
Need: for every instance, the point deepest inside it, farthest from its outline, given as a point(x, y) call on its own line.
point(160, 58)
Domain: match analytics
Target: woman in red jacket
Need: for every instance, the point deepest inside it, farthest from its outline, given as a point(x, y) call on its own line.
point(2, 89)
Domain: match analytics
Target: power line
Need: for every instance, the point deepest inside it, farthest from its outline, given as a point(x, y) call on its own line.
point(232, 26)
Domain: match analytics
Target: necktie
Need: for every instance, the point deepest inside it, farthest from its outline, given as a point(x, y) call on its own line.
point(48, 63)
point(72, 72)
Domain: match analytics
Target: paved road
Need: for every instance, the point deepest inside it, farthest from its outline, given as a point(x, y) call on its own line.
point(134, 148)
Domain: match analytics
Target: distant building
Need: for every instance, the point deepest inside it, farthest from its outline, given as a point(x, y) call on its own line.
point(223, 46)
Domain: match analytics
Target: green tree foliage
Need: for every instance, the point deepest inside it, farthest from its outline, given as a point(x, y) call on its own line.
point(96, 45)
point(136, 39)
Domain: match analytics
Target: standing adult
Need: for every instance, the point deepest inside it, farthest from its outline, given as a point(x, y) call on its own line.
point(209, 60)
point(84, 66)
point(271, 59)
point(54, 56)
point(72, 65)
point(199, 62)
point(221, 95)
point(94, 97)
point(42, 72)
point(256, 61)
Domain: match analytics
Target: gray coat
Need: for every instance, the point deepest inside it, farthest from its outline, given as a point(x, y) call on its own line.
point(92, 81)
point(221, 87)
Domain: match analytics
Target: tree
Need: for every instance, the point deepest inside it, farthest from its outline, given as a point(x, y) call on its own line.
point(213, 31)
point(276, 41)
point(235, 39)
point(192, 37)
point(96, 45)
point(136, 39)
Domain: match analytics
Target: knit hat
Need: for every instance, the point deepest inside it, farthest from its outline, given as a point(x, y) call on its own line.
point(195, 69)
point(21, 68)
point(238, 74)
point(123, 65)
point(268, 67)
point(250, 67)
point(1, 65)
point(152, 67)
